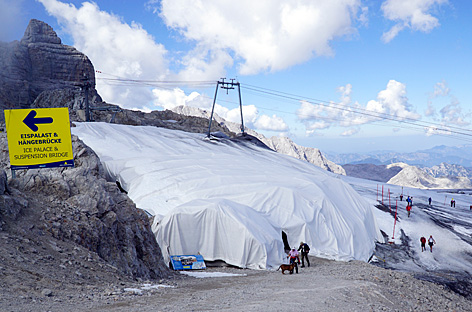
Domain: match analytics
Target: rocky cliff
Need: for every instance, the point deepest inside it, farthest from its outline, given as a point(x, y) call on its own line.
point(78, 205)
point(448, 170)
point(37, 63)
point(412, 176)
point(380, 173)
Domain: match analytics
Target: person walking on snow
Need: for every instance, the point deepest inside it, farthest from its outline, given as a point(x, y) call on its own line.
point(293, 255)
point(304, 250)
point(408, 208)
point(429, 201)
point(423, 243)
point(431, 242)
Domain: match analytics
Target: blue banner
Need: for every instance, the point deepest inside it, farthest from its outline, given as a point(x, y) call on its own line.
point(188, 262)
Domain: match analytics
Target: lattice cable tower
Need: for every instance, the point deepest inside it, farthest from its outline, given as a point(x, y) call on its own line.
point(228, 86)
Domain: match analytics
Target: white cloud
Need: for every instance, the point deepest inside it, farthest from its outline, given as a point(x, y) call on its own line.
point(350, 132)
point(451, 113)
point(432, 130)
point(202, 63)
point(250, 113)
point(169, 99)
point(113, 47)
point(272, 123)
point(441, 89)
point(413, 14)
point(392, 33)
point(392, 102)
point(271, 36)
point(345, 93)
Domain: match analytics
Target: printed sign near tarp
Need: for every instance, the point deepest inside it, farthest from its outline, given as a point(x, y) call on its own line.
point(188, 262)
point(39, 138)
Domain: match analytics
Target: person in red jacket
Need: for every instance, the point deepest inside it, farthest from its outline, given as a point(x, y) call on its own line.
point(423, 243)
point(408, 208)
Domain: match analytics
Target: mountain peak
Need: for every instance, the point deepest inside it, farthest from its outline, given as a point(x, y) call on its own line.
point(39, 31)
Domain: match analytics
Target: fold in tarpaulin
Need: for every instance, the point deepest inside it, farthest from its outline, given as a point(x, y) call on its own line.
point(221, 230)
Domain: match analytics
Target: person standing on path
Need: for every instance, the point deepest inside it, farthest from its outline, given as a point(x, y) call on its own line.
point(431, 242)
point(304, 249)
point(423, 243)
point(430, 201)
point(294, 259)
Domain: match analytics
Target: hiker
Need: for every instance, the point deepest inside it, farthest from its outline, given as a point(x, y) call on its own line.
point(431, 242)
point(408, 208)
point(401, 197)
point(430, 201)
point(423, 243)
point(293, 255)
point(453, 202)
point(304, 250)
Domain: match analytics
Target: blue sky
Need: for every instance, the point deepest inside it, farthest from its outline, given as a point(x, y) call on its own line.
point(343, 76)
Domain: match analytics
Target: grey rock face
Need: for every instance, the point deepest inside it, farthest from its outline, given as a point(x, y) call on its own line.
point(371, 172)
point(37, 63)
point(80, 205)
point(38, 31)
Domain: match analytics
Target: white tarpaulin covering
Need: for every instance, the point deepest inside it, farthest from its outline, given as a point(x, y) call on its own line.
point(221, 229)
point(164, 169)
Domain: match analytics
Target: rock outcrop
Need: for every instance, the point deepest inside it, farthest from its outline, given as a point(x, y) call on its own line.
point(447, 170)
point(380, 173)
point(312, 155)
point(79, 205)
point(37, 63)
point(412, 176)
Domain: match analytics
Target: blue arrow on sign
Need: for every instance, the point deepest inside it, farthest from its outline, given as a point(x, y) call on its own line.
point(31, 122)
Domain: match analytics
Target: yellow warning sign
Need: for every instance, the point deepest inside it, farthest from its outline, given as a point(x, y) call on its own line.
point(39, 138)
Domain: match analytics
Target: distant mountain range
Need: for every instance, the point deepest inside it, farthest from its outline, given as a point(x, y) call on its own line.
point(444, 176)
point(457, 155)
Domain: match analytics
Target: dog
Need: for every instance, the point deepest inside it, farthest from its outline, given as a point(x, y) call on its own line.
point(287, 267)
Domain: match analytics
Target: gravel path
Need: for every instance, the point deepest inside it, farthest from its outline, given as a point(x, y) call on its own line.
point(325, 286)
